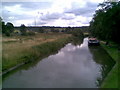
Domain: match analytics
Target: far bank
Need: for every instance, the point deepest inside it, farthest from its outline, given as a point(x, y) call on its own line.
point(18, 50)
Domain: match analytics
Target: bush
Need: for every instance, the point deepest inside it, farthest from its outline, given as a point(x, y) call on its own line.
point(77, 33)
point(23, 29)
point(31, 33)
point(7, 29)
point(7, 33)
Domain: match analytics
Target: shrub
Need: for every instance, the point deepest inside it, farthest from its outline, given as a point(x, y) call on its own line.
point(30, 33)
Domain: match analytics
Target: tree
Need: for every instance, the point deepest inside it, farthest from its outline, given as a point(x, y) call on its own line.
point(0, 24)
point(105, 23)
point(77, 33)
point(41, 30)
point(68, 29)
point(23, 29)
point(7, 29)
point(3, 27)
point(10, 27)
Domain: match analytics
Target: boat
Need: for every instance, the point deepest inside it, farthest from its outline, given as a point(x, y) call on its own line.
point(93, 41)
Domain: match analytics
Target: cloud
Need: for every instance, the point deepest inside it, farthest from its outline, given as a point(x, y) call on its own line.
point(20, 8)
point(51, 16)
point(80, 11)
point(49, 12)
point(39, 23)
point(68, 16)
point(88, 8)
point(36, 5)
point(28, 4)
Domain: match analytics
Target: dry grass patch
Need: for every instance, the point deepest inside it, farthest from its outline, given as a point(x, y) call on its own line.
point(17, 49)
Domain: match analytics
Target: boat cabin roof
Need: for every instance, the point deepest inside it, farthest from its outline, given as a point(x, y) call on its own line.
point(92, 39)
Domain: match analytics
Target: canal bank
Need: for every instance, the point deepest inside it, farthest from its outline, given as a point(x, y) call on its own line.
point(73, 66)
point(112, 80)
point(36, 52)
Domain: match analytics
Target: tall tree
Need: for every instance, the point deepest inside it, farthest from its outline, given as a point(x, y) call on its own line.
point(7, 29)
point(105, 23)
point(10, 27)
point(23, 29)
point(0, 24)
point(3, 27)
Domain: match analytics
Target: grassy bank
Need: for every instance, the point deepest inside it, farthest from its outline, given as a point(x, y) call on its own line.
point(111, 81)
point(0, 61)
point(19, 49)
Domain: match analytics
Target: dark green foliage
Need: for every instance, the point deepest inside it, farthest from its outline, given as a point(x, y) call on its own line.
point(0, 24)
point(47, 48)
point(68, 29)
point(7, 33)
point(24, 32)
point(41, 30)
point(7, 29)
point(77, 33)
point(23, 29)
point(3, 27)
point(30, 33)
point(106, 22)
point(54, 30)
point(76, 40)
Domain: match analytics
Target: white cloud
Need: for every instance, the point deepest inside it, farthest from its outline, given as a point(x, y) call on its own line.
point(49, 12)
point(26, 22)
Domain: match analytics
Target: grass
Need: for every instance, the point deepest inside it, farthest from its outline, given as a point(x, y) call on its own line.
point(29, 48)
point(111, 80)
point(0, 61)
point(86, 34)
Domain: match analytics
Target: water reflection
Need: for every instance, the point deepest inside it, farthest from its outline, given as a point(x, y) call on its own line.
point(105, 61)
point(74, 66)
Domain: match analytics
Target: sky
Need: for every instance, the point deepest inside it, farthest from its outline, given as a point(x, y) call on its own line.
point(49, 12)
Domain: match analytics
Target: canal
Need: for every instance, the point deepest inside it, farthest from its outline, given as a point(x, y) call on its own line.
point(74, 66)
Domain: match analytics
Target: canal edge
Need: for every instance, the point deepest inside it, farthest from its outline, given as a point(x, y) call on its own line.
point(112, 69)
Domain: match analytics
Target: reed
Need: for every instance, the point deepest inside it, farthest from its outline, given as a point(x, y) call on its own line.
point(29, 48)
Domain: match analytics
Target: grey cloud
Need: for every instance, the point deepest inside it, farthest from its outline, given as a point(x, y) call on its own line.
point(68, 17)
point(36, 5)
point(71, 23)
point(85, 21)
point(88, 9)
point(81, 11)
point(52, 16)
point(16, 16)
point(26, 7)
point(68, 14)
point(40, 23)
point(29, 5)
point(91, 4)
point(9, 4)
point(7, 14)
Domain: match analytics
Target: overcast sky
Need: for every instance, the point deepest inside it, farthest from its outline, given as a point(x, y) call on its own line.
point(49, 12)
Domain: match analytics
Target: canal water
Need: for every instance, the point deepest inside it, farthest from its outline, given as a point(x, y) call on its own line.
point(74, 66)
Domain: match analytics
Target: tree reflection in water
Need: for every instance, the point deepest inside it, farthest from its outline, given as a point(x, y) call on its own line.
point(102, 58)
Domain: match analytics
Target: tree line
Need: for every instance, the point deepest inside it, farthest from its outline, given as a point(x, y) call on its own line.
point(106, 22)
point(8, 28)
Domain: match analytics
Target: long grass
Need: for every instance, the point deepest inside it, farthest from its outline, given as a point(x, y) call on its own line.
point(29, 48)
point(111, 80)
point(0, 61)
